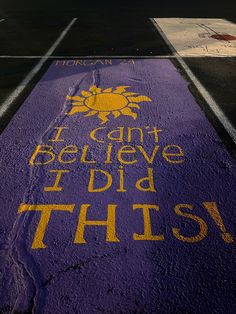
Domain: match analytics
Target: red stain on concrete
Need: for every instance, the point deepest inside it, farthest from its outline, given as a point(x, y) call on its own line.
point(225, 37)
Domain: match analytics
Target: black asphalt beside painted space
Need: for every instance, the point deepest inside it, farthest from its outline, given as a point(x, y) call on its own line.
point(97, 10)
point(103, 37)
point(31, 32)
point(218, 75)
point(113, 36)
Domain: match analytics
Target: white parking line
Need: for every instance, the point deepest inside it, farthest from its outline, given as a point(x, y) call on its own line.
point(110, 57)
point(202, 90)
point(19, 89)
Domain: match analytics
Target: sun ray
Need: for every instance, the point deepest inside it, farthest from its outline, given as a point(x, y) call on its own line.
point(77, 109)
point(91, 113)
point(139, 98)
point(77, 103)
point(107, 90)
point(120, 89)
point(95, 90)
point(76, 98)
point(86, 93)
point(98, 90)
point(116, 114)
point(133, 105)
point(103, 116)
point(128, 112)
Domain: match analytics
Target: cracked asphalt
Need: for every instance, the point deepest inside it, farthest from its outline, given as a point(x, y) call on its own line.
point(117, 179)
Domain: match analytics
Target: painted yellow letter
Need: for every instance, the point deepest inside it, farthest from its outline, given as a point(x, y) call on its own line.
point(70, 149)
point(147, 235)
point(84, 155)
point(94, 133)
point(156, 135)
point(58, 134)
point(126, 150)
point(149, 159)
point(46, 210)
point(56, 187)
point(170, 152)
point(149, 179)
point(202, 225)
point(108, 184)
point(119, 132)
point(42, 150)
point(109, 223)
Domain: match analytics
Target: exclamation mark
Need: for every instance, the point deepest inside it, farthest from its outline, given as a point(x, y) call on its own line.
point(212, 209)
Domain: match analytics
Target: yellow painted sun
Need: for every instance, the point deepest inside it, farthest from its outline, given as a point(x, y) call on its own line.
point(115, 101)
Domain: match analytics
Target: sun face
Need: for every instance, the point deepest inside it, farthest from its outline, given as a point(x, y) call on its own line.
point(106, 102)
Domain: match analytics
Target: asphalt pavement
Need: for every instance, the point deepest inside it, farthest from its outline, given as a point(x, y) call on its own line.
point(101, 36)
point(100, 114)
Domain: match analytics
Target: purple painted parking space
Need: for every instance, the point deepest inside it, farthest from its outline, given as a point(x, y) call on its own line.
point(117, 195)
